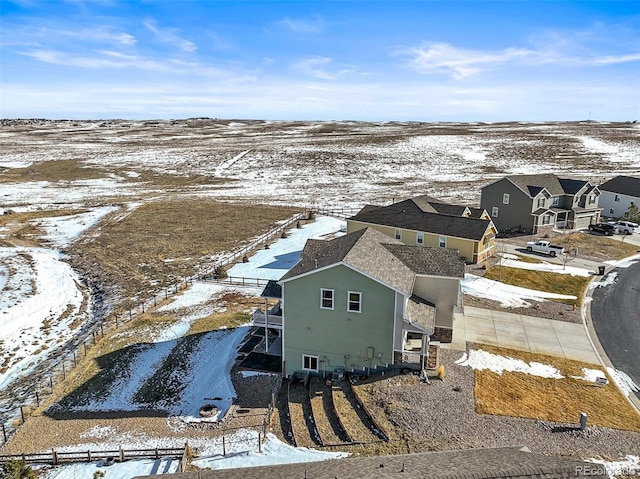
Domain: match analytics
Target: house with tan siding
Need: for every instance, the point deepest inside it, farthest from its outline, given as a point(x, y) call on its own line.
point(426, 221)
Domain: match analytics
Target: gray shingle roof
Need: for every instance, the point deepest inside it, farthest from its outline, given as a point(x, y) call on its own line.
point(420, 214)
point(533, 184)
point(421, 313)
point(623, 185)
point(379, 256)
point(502, 462)
point(429, 261)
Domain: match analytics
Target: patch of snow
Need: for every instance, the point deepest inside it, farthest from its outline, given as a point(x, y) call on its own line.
point(480, 359)
point(624, 382)
point(40, 299)
point(284, 253)
point(62, 230)
point(624, 263)
point(244, 453)
point(590, 375)
point(507, 295)
point(608, 280)
point(629, 466)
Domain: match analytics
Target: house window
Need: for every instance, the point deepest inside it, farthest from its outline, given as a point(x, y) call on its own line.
point(398, 234)
point(541, 202)
point(442, 241)
point(420, 238)
point(326, 299)
point(354, 304)
point(617, 198)
point(310, 363)
point(611, 211)
point(546, 219)
point(494, 211)
point(555, 201)
point(592, 199)
point(505, 198)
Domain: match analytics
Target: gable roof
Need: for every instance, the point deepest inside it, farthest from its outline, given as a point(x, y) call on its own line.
point(532, 185)
point(624, 185)
point(423, 213)
point(499, 462)
point(379, 256)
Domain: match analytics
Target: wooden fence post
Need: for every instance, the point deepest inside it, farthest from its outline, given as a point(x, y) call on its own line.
point(121, 454)
point(51, 383)
point(75, 361)
point(54, 457)
point(116, 320)
point(224, 447)
point(37, 399)
point(22, 413)
point(64, 372)
point(259, 443)
point(4, 433)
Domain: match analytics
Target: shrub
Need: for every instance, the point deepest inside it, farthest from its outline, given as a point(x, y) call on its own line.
point(17, 469)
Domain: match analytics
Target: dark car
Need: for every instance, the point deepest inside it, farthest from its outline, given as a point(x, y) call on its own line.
point(604, 228)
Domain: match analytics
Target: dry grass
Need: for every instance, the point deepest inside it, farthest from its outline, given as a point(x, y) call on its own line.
point(541, 281)
point(53, 171)
point(595, 246)
point(162, 240)
point(558, 400)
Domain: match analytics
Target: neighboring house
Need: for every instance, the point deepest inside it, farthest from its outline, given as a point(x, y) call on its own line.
point(425, 221)
point(538, 203)
point(364, 301)
point(618, 194)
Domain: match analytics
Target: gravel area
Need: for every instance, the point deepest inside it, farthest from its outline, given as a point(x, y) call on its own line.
point(441, 416)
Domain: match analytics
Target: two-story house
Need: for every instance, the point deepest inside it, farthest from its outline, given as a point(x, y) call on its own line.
point(426, 221)
point(364, 301)
point(538, 203)
point(618, 194)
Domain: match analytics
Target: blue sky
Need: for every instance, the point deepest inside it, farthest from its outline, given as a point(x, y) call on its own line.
point(321, 60)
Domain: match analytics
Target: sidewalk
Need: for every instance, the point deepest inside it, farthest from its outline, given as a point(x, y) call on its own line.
point(524, 333)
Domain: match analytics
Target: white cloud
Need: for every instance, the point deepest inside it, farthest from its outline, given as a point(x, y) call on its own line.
point(301, 26)
point(169, 36)
point(314, 67)
point(444, 58)
point(436, 58)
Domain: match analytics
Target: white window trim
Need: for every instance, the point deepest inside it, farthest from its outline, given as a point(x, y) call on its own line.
point(505, 198)
point(555, 201)
point(317, 358)
point(333, 298)
point(349, 293)
point(420, 238)
point(397, 234)
point(542, 202)
point(494, 212)
point(441, 240)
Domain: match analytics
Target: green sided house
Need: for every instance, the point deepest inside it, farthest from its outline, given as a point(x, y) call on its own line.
point(426, 221)
point(365, 301)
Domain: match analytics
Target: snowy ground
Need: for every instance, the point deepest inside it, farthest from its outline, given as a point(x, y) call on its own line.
point(333, 165)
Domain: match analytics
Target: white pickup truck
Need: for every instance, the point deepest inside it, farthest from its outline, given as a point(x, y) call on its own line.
point(544, 247)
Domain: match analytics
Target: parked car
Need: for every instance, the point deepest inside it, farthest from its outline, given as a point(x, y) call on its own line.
point(627, 227)
point(604, 228)
point(546, 247)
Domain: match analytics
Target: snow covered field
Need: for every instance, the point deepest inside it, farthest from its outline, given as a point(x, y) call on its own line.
point(332, 164)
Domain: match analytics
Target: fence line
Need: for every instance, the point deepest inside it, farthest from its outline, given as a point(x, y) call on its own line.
point(59, 457)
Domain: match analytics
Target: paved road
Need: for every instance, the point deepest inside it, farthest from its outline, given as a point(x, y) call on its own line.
point(615, 312)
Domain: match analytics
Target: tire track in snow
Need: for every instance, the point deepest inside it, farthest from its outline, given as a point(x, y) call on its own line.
point(229, 163)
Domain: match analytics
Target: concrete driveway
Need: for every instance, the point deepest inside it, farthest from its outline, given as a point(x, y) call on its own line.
point(524, 333)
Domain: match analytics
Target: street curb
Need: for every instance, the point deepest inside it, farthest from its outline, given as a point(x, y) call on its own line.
point(587, 322)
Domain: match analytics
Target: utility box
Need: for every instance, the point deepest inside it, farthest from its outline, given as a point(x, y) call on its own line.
point(583, 421)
